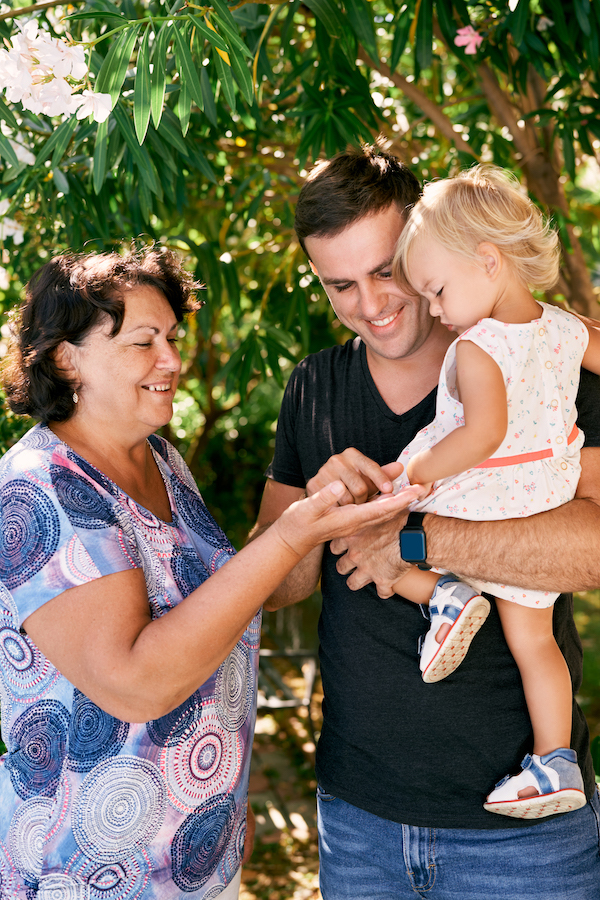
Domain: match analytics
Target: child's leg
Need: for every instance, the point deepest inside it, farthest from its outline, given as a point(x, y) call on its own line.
point(417, 585)
point(550, 780)
point(457, 612)
point(544, 672)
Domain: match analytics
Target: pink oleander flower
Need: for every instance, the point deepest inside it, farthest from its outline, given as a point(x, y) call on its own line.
point(468, 38)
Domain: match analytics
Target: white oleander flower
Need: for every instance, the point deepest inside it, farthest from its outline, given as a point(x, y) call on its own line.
point(44, 74)
point(96, 105)
point(22, 153)
point(8, 227)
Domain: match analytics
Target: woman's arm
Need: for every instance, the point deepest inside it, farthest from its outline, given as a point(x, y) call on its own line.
point(102, 638)
point(483, 395)
point(304, 577)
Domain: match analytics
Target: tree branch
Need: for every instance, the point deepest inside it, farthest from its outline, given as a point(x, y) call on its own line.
point(543, 180)
point(431, 109)
point(26, 10)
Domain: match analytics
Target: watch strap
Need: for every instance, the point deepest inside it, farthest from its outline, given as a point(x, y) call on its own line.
point(415, 520)
point(414, 525)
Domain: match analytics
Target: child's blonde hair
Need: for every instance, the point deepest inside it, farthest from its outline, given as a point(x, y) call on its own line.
point(481, 204)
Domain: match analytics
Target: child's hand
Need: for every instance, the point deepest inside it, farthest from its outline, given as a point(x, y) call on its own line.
point(417, 468)
point(424, 490)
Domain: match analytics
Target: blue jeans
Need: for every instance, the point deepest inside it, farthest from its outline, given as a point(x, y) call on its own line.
point(365, 857)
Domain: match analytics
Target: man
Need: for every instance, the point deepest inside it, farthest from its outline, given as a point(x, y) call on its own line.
point(404, 767)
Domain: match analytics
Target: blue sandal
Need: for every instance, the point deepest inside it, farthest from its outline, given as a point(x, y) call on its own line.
point(455, 603)
point(557, 778)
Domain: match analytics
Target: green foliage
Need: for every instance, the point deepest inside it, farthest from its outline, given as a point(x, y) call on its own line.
point(217, 109)
point(596, 756)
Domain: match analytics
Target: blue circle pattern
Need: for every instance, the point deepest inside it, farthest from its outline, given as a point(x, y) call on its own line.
point(26, 672)
point(188, 570)
point(200, 842)
point(176, 725)
point(37, 749)
point(80, 500)
point(94, 735)
point(126, 879)
point(29, 532)
point(232, 858)
point(195, 514)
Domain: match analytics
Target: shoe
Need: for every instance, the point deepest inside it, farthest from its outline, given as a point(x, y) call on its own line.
point(457, 604)
point(556, 776)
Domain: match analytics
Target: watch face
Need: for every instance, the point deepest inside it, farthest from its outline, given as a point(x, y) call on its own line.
point(412, 546)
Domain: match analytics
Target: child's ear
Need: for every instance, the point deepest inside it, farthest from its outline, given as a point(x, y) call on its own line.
point(491, 258)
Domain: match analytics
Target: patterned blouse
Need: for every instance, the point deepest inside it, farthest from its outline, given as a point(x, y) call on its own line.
point(90, 806)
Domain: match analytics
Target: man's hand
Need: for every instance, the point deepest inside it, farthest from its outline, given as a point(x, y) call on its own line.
point(373, 554)
point(362, 476)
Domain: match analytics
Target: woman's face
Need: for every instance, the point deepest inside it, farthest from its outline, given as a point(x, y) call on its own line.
point(128, 381)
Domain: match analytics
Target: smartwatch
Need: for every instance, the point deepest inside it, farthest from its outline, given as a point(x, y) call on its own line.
point(413, 542)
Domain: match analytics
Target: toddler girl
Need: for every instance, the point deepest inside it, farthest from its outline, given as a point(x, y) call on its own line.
point(504, 442)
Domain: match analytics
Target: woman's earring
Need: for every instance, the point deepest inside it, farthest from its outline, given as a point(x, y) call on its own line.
point(75, 397)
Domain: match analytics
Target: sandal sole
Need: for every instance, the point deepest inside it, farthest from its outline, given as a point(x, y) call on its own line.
point(454, 647)
point(538, 807)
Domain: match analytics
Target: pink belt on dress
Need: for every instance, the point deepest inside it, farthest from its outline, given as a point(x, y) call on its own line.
point(499, 461)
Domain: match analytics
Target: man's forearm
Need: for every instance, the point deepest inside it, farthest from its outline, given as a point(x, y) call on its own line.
point(557, 550)
point(302, 581)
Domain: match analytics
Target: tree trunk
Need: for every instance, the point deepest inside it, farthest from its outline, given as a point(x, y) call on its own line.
point(543, 181)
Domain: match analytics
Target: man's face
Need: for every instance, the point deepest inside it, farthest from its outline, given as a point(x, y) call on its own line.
point(355, 269)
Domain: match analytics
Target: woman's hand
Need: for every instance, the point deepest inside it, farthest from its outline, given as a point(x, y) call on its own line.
point(325, 515)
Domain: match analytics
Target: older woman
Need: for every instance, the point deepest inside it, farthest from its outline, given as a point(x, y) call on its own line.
point(129, 652)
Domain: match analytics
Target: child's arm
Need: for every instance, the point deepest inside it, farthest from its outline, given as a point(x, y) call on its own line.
point(483, 395)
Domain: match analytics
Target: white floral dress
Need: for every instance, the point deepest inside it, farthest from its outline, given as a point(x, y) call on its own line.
point(537, 466)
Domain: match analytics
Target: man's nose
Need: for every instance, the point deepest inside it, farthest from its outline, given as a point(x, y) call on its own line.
point(373, 300)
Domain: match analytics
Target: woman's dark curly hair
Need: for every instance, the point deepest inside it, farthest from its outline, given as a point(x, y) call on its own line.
point(64, 301)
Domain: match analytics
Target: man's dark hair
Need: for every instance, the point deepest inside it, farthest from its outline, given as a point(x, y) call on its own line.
point(348, 187)
point(64, 300)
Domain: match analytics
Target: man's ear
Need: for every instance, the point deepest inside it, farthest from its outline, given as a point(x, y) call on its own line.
point(491, 258)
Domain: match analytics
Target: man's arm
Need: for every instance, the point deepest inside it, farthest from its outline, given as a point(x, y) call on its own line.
point(555, 550)
point(304, 578)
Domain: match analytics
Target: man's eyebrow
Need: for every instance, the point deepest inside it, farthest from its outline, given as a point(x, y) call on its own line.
point(379, 268)
point(384, 265)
